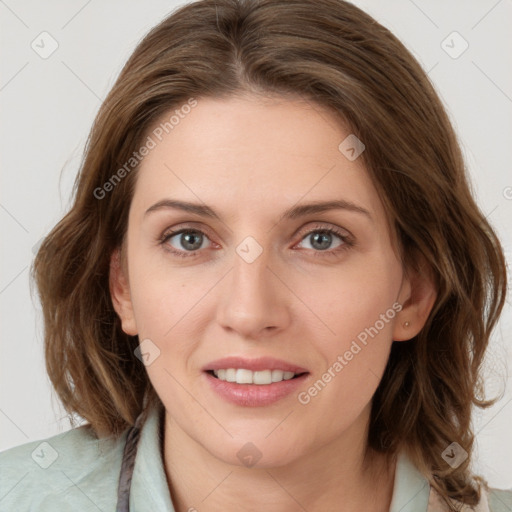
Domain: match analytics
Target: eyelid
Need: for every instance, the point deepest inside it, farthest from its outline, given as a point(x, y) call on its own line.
point(320, 225)
point(343, 234)
point(304, 230)
point(347, 239)
point(175, 231)
point(189, 226)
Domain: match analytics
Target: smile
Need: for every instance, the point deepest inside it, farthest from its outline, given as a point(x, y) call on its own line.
point(254, 382)
point(261, 378)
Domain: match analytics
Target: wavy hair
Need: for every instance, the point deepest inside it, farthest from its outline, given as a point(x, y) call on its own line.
point(330, 53)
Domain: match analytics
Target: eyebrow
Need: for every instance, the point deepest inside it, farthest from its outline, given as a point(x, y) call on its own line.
point(294, 212)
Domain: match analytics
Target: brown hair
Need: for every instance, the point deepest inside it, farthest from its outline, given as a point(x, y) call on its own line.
point(332, 54)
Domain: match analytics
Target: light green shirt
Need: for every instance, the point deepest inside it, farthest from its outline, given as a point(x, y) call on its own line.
point(76, 471)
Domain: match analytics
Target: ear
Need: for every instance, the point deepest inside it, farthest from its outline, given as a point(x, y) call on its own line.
point(417, 296)
point(120, 294)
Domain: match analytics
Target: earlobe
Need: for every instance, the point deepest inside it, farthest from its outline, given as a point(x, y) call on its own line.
point(416, 308)
point(120, 294)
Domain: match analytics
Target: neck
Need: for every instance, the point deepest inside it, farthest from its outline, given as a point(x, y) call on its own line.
point(340, 475)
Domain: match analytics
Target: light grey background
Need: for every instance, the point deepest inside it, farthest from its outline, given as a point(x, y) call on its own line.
point(48, 106)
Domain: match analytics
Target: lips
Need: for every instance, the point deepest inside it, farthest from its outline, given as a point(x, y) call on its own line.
point(259, 391)
point(255, 365)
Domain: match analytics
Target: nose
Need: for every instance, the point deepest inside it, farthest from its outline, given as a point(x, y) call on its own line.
point(255, 301)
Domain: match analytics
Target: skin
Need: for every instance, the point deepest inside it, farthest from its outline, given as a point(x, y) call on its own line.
point(251, 158)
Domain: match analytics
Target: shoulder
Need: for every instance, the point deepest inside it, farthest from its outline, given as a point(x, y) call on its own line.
point(70, 471)
point(500, 500)
point(491, 500)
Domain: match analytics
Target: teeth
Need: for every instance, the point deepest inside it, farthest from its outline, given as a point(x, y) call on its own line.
point(243, 376)
point(231, 375)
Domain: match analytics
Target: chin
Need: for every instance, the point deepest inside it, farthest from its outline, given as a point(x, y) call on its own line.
point(260, 453)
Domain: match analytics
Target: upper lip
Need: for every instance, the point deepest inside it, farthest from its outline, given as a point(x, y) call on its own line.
point(258, 364)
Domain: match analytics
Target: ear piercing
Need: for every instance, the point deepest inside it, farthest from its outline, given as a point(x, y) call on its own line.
point(407, 324)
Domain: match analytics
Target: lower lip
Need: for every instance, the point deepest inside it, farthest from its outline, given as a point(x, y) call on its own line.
point(255, 395)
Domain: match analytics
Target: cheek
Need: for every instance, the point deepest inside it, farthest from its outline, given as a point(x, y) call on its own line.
point(161, 295)
point(362, 312)
point(170, 310)
point(352, 299)
point(164, 311)
point(357, 309)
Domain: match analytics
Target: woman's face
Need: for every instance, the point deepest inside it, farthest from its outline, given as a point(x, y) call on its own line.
point(258, 279)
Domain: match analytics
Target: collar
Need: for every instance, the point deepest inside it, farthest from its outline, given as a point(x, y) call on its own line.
point(150, 490)
point(411, 489)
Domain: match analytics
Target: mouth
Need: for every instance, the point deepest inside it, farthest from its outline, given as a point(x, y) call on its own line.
point(259, 378)
point(254, 382)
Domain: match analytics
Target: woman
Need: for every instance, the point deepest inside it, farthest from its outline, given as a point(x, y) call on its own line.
point(274, 290)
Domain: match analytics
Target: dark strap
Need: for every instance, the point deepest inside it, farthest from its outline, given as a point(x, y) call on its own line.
point(125, 477)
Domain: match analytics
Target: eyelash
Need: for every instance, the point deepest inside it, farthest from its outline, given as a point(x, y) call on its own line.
point(348, 242)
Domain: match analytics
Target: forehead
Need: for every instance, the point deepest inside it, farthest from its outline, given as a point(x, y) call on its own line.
point(251, 154)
